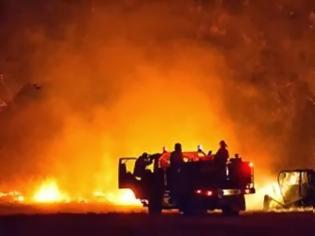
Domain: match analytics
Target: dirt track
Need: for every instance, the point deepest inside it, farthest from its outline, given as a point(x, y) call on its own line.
point(169, 224)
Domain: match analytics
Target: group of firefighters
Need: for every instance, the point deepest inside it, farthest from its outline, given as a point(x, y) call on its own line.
point(175, 174)
point(176, 159)
point(220, 158)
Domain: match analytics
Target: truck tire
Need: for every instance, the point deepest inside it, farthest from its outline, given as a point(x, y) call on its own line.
point(236, 204)
point(193, 207)
point(154, 206)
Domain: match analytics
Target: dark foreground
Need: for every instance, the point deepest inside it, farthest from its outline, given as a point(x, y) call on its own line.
point(138, 224)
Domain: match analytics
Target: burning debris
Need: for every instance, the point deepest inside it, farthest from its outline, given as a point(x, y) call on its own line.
point(124, 197)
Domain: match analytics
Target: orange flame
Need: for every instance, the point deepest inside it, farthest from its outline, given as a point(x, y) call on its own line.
point(123, 197)
point(49, 192)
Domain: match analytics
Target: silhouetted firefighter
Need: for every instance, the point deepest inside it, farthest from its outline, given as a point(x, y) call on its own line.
point(176, 158)
point(176, 163)
point(222, 155)
point(220, 160)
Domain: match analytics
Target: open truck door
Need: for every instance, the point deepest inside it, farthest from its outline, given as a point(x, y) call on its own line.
point(126, 178)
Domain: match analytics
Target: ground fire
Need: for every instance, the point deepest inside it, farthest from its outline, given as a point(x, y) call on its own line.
point(49, 192)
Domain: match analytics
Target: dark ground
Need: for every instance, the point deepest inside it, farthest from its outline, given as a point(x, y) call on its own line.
point(138, 224)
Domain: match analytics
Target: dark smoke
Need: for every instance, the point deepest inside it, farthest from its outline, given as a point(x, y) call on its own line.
point(252, 60)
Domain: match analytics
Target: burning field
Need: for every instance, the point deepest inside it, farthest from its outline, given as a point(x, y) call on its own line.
point(85, 82)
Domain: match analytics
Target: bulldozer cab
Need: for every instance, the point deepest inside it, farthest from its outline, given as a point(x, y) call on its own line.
point(296, 185)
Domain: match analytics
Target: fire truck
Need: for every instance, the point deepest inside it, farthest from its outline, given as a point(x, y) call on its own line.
point(199, 187)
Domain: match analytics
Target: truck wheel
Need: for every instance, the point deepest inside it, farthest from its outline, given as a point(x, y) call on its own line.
point(154, 210)
point(191, 207)
point(154, 207)
point(236, 204)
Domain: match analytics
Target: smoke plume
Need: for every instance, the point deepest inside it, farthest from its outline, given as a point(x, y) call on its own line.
point(89, 81)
